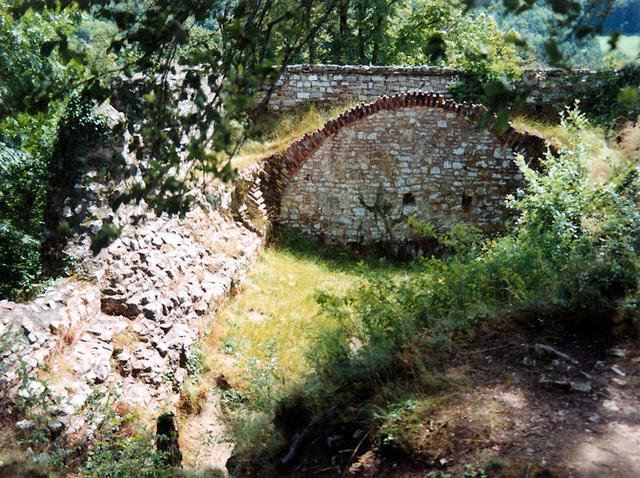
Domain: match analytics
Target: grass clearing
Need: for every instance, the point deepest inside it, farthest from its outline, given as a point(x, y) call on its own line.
point(628, 45)
point(269, 326)
point(259, 343)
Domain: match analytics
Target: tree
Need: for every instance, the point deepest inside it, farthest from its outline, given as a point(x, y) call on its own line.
point(29, 116)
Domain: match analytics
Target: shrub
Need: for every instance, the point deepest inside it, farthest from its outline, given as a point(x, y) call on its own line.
point(19, 260)
point(22, 194)
point(611, 96)
point(123, 457)
point(195, 362)
point(584, 233)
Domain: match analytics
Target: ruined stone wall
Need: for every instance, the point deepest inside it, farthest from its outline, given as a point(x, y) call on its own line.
point(419, 161)
point(360, 177)
point(126, 322)
point(335, 84)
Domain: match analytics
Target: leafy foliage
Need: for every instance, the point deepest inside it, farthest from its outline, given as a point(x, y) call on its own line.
point(29, 115)
point(20, 190)
point(612, 95)
point(489, 62)
point(189, 74)
point(31, 74)
point(545, 30)
point(120, 456)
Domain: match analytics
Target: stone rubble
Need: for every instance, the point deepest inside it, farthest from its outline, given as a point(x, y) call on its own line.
point(129, 333)
point(124, 325)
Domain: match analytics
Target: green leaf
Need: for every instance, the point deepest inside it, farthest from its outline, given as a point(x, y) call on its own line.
point(502, 122)
point(628, 96)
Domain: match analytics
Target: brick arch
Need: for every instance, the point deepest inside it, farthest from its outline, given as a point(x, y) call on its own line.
point(280, 170)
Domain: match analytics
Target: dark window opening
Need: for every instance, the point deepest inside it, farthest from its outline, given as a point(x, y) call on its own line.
point(408, 200)
point(467, 202)
point(307, 178)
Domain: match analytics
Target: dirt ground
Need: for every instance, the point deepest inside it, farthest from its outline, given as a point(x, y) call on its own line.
point(560, 404)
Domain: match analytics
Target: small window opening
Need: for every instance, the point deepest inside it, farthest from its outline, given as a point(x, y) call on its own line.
point(467, 202)
point(307, 178)
point(408, 200)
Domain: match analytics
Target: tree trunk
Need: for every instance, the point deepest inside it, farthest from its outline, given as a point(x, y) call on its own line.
point(361, 14)
point(343, 31)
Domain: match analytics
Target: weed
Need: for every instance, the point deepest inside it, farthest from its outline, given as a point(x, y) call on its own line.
point(195, 362)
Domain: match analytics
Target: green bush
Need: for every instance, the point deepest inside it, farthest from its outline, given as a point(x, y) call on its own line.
point(21, 207)
point(580, 232)
point(123, 457)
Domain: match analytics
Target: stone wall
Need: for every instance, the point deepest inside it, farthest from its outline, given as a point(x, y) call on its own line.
point(362, 175)
point(335, 84)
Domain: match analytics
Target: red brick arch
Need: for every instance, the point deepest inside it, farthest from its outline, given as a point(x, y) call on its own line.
point(270, 181)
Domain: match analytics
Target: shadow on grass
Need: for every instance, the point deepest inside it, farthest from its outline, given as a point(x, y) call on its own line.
point(337, 258)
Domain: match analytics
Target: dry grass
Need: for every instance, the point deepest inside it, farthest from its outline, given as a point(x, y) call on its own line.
point(136, 418)
point(126, 339)
point(193, 396)
point(277, 132)
point(629, 141)
point(606, 156)
point(554, 133)
point(69, 337)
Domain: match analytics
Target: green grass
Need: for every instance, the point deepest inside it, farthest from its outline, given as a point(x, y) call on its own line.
point(261, 340)
point(628, 45)
point(273, 321)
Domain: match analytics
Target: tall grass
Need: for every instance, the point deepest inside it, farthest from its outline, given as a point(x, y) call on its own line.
point(605, 160)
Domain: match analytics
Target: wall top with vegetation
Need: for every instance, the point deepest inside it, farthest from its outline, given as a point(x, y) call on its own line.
point(334, 84)
point(414, 70)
